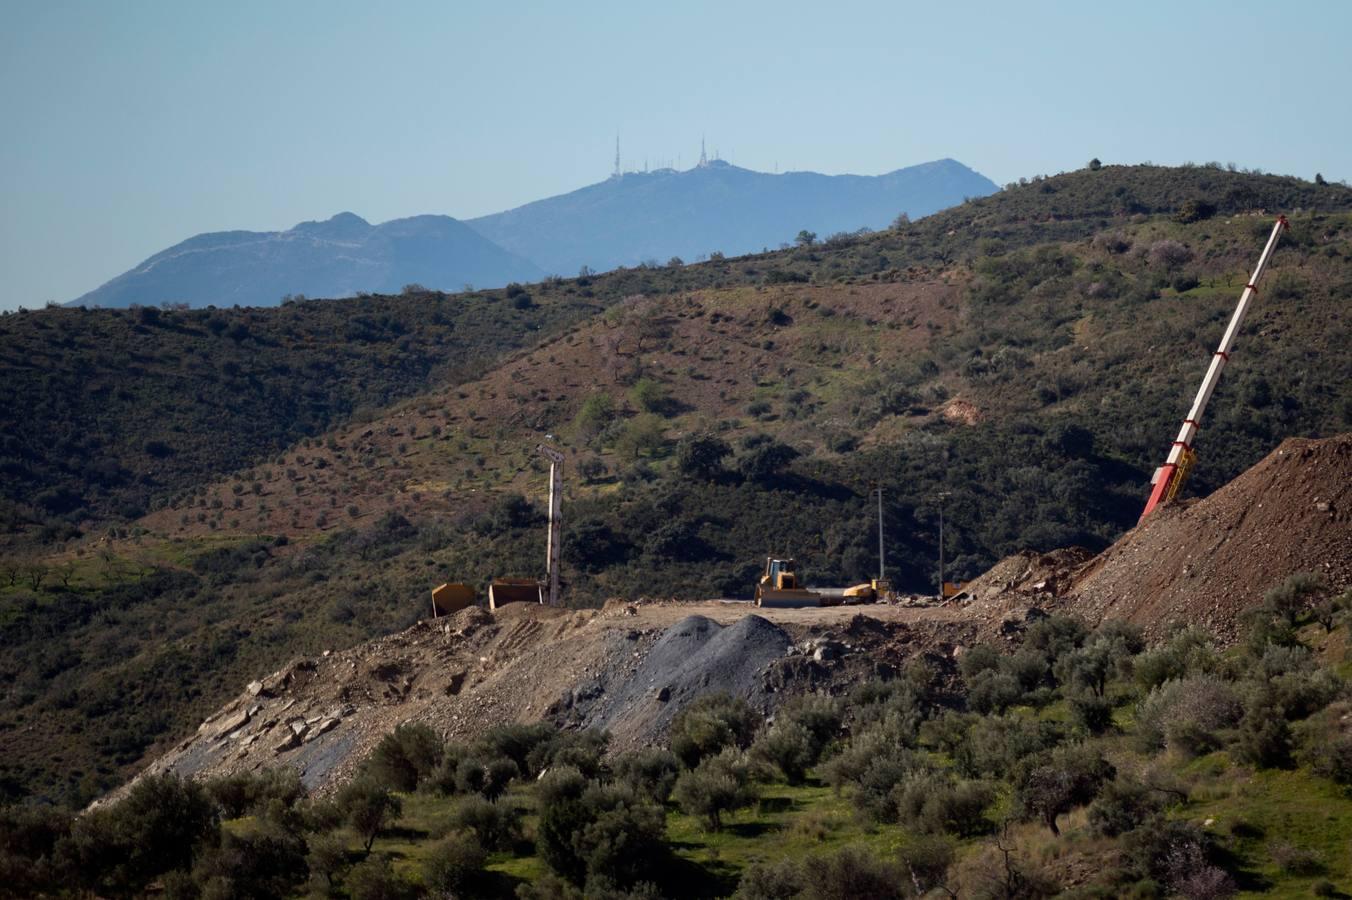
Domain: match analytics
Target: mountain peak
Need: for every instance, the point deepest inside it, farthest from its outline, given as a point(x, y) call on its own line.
point(344, 225)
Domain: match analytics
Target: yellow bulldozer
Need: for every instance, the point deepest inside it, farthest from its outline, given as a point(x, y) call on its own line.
point(779, 588)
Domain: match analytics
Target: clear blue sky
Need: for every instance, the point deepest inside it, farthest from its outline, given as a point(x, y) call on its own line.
point(126, 127)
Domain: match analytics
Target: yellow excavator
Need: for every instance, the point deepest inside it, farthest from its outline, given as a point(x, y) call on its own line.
point(779, 587)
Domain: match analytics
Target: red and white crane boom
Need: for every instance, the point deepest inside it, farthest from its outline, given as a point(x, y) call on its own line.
point(1169, 477)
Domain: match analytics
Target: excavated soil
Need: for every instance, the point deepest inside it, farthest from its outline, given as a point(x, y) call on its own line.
point(1202, 562)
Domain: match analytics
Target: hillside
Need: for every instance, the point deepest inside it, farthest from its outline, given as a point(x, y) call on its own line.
point(717, 207)
point(1031, 365)
point(951, 744)
point(339, 257)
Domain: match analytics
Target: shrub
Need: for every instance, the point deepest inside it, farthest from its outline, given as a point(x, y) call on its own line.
point(650, 396)
point(718, 785)
point(993, 692)
point(409, 754)
point(266, 863)
point(789, 747)
point(766, 461)
point(932, 803)
point(375, 879)
point(651, 771)
point(496, 826)
point(926, 861)
point(800, 733)
point(28, 839)
point(1169, 253)
point(997, 744)
point(701, 456)
point(710, 724)
point(1199, 701)
point(1326, 748)
point(1295, 860)
point(1092, 712)
point(1289, 598)
point(454, 865)
point(593, 832)
point(1189, 651)
point(1122, 806)
point(853, 873)
point(1264, 738)
point(779, 880)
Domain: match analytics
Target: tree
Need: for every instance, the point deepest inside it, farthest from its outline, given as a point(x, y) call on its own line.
point(765, 461)
point(901, 221)
point(650, 396)
point(1069, 778)
point(597, 411)
point(367, 806)
point(1095, 165)
point(454, 864)
point(644, 433)
point(718, 785)
point(157, 828)
point(806, 238)
point(711, 724)
point(701, 456)
point(406, 756)
point(651, 772)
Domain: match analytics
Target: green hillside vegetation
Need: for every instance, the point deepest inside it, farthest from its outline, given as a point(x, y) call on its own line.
point(1030, 354)
point(1073, 761)
point(92, 408)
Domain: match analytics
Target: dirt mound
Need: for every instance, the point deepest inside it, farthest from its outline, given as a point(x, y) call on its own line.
point(1028, 573)
point(628, 667)
point(693, 657)
point(1204, 562)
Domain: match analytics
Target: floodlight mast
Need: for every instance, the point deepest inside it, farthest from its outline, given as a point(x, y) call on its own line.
point(1169, 478)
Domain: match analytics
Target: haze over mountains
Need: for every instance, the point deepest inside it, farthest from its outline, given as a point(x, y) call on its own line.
point(647, 216)
point(623, 221)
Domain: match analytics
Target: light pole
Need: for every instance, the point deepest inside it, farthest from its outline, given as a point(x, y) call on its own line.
point(882, 569)
point(941, 497)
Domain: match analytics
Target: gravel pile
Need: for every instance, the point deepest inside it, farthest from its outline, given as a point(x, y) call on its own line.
point(696, 656)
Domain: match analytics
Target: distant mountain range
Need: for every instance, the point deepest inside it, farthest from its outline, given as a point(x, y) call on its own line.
point(645, 216)
point(623, 221)
point(335, 258)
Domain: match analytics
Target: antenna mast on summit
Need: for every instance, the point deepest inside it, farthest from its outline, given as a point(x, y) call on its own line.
point(703, 159)
point(616, 173)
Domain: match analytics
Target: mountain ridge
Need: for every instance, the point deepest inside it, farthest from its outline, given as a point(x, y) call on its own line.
point(717, 207)
point(339, 256)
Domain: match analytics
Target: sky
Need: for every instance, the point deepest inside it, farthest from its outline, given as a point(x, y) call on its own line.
point(127, 127)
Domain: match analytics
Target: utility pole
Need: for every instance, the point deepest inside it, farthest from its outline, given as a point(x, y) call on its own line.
point(882, 569)
point(555, 519)
point(941, 497)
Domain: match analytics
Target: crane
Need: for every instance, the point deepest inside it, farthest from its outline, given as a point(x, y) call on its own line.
point(1169, 478)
